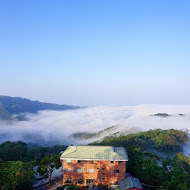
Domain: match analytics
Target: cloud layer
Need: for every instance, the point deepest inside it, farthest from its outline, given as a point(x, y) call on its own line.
point(55, 127)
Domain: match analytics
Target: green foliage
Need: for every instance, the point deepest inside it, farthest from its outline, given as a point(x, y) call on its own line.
point(73, 187)
point(40, 152)
point(13, 151)
point(103, 187)
point(16, 175)
point(144, 165)
point(174, 174)
point(164, 140)
point(48, 165)
point(179, 172)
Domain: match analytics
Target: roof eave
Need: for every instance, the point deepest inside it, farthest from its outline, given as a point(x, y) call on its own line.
point(93, 159)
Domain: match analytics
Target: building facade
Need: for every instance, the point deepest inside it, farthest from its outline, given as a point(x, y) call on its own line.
point(93, 165)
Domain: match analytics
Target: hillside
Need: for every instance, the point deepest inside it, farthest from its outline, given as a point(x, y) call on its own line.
point(163, 140)
point(17, 105)
point(99, 134)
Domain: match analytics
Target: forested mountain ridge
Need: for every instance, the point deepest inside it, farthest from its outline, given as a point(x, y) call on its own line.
point(163, 140)
point(17, 105)
point(4, 114)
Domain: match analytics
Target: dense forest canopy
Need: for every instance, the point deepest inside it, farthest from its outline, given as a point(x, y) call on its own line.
point(17, 160)
point(14, 151)
point(164, 140)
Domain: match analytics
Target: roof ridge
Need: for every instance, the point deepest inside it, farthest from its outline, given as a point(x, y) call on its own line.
point(132, 181)
point(72, 151)
point(75, 148)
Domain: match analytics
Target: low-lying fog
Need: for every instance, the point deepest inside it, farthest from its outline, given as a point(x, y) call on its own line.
point(55, 127)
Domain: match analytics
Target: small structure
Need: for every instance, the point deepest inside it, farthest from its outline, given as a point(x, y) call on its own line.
point(93, 165)
point(130, 183)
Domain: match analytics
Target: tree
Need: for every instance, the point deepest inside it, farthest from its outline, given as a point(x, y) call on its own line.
point(16, 175)
point(13, 151)
point(48, 165)
point(179, 173)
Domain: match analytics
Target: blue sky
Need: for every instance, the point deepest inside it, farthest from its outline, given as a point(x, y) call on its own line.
point(96, 52)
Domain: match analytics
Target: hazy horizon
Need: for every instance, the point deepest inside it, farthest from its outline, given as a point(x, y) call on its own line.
point(92, 105)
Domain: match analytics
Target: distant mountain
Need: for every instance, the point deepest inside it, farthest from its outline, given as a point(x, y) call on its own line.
point(4, 114)
point(99, 134)
point(166, 115)
point(16, 105)
point(161, 115)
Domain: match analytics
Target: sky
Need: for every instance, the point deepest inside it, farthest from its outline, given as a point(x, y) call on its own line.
point(96, 52)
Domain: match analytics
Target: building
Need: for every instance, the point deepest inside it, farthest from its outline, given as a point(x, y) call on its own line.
point(130, 183)
point(93, 165)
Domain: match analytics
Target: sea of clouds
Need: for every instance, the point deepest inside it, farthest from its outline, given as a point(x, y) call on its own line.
point(56, 127)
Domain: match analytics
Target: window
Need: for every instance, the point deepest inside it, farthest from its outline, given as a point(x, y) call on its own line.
point(90, 181)
point(68, 181)
point(79, 170)
point(116, 171)
point(68, 170)
point(103, 179)
point(112, 162)
point(79, 181)
point(103, 173)
point(79, 161)
point(103, 168)
point(90, 170)
point(120, 162)
point(90, 161)
point(69, 161)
